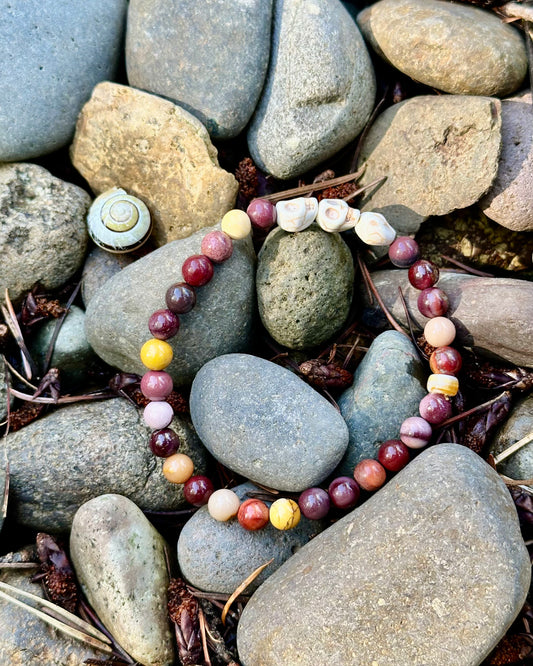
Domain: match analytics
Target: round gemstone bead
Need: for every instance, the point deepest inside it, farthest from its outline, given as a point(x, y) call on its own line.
point(284, 514)
point(253, 514)
point(314, 503)
point(439, 332)
point(156, 354)
point(370, 474)
point(217, 246)
point(343, 492)
point(178, 468)
point(164, 443)
point(435, 408)
point(158, 415)
point(404, 251)
point(197, 270)
point(163, 324)
point(433, 302)
point(446, 361)
point(156, 385)
point(445, 384)
point(393, 455)
point(223, 505)
point(262, 213)
point(423, 274)
point(197, 490)
point(236, 224)
point(180, 298)
point(415, 432)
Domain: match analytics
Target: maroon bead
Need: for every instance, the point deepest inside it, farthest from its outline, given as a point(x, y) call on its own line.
point(435, 408)
point(393, 455)
point(163, 324)
point(197, 490)
point(164, 443)
point(445, 361)
point(344, 492)
point(404, 251)
point(156, 385)
point(180, 298)
point(423, 274)
point(433, 302)
point(415, 432)
point(197, 270)
point(314, 503)
point(262, 213)
point(217, 246)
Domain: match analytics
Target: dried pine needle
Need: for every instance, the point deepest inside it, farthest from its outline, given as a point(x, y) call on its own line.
point(242, 587)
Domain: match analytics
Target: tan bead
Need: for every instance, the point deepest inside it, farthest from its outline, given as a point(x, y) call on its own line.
point(178, 468)
point(445, 384)
point(223, 504)
point(439, 332)
point(236, 224)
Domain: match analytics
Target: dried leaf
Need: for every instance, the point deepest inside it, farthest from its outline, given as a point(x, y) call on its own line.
point(37, 307)
point(524, 506)
point(26, 413)
point(183, 611)
point(59, 579)
point(478, 427)
point(325, 375)
point(490, 376)
point(247, 175)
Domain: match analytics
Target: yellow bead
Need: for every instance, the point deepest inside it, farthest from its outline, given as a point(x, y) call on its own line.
point(178, 468)
point(284, 514)
point(156, 354)
point(445, 384)
point(236, 224)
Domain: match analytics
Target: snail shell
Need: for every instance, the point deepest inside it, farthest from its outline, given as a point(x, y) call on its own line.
point(118, 222)
point(336, 215)
point(373, 229)
point(296, 214)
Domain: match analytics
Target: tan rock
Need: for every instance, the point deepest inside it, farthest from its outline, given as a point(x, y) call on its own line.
point(154, 150)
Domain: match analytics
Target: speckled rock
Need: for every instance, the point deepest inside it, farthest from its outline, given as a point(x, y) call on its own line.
point(383, 585)
point(83, 450)
point(25, 640)
point(304, 286)
point(319, 90)
point(509, 201)
point(264, 422)
point(519, 425)
point(217, 557)
point(53, 54)
point(459, 137)
point(494, 315)
point(120, 562)
point(43, 233)
point(234, 35)
point(3, 393)
point(456, 48)
point(388, 385)
point(156, 151)
point(99, 266)
point(220, 323)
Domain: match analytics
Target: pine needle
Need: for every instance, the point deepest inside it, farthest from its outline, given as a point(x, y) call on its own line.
point(242, 587)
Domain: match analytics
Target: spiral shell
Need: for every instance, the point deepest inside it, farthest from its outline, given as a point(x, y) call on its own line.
point(118, 222)
point(336, 215)
point(296, 214)
point(373, 229)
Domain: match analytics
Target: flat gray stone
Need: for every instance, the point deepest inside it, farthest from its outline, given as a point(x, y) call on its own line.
point(99, 266)
point(119, 559)
point(456, 48)
point(216, 556)
point(304, 286)
point(53, 54)
point(264, 422)
point(83, 450)
point(459, 138)
point(209, 57)
point(432, 565)
point(43, 232)
point(319, 90)
point(519, 425)
point(220, 323)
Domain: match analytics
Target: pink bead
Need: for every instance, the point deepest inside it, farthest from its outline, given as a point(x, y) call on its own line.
point(156, 385)
point(415, 432)
point(158, 415)
point(435, 408)
point(439, 332)
point(217, 246)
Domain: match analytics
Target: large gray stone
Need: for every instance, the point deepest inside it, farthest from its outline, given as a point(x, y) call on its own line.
point(432, 569)
point(319, 90)
point(304, 286)
point(216, 556)
point(217, 71)
point(453, 47)
point(519, 425)
point(99, 266)
point(387, 388)
point(264, 422)
point(53, 54)
point(43, 232)
point(438, 153)
point(117, 315)
point(120, 563)
point(83, 450)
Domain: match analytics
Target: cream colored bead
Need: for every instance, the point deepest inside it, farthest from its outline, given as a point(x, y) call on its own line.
point(439, 332)
point(236, 224)
point(223, 504)
point(445, 384)
point(373, 229)
point(296, 214)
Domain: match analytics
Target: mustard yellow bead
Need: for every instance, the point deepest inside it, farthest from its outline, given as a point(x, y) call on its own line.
point(284, 514)
point(236, 224)
point(156, 354)
point(445, 384)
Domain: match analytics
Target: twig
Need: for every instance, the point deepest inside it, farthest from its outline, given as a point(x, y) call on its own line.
point(304, 189)
point(59, 324)
point(516, 482)
point(362, 189)
point(242, 587)
point(19, 565)
point(469, 412)
point(117, 649)
point(466, 268)
point(204, 639)
point(513, 448)
point(17, 374)
point(5, 498)
point(422, 355)
point(66, 399)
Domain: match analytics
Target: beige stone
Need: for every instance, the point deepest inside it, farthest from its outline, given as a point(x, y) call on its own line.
point(154, 150)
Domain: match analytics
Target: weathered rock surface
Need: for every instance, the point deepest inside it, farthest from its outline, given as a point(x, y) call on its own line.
point(120, 563)
point(99, 266)
point(43, 233)
point(456, 48)
point(319, 90)
point(264, 422)
point(519, 425)
point(156, 151)
point(3, 393)
point(234, 35)
point(304, 286)
point(220, 322)
point(438, 154)
point(83, 450)
point(432, 565)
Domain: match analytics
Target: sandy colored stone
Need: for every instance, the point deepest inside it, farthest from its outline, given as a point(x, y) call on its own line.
point(154, 150)
point(438, 153)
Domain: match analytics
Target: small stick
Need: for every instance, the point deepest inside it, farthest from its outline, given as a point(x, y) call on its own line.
point(17, 374)
point(362, 189)
point(57, 328)
point(469, 412)
point(19, 565)
point(204, 639)
point(466, 268)
point(513, 448)
point(516, 482)
point(5, 498)
point(242, 587)
point(304, 189)
point(422, 355)
point(66, 399)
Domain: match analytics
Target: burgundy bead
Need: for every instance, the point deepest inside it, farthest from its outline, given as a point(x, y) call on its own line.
point(445, 361)
point(164, 443)
point(197, 490)
point(434, 408)
point(415, 432)
point(163, 324)
point(433, 302)
point(393, 455)
point(404, 251)
point(423, 274)
point(180, 298)
point(197, 270)
point(343, 492)
point(156, 385)
point(262, 213)
point(217, 246)
point(314, 503)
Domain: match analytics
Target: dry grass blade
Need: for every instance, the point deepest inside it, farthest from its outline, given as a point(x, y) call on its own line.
point(57, 328)
point(242, 587)
point(359, 191)
point(17, 374)
point(12, 322)
point(18, 565)
point(304, 189)
point(5, 498)
point(513, 448)
point(204, 639)
point(66, 399)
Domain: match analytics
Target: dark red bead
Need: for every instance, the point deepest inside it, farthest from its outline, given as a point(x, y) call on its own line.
point(314, 503)
point(180, 298)
point(262, 213)
point(423, 274)
point(164, 442)
point(404, 251)
point(163, 324)
point(344, 492)
point(445, 361)
point(393, 455)
point(433, 302)
point(197, 270)
point(197, 490)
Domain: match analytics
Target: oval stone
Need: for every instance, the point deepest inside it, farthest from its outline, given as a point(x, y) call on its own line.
point(518, 426)
point(265, 423)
